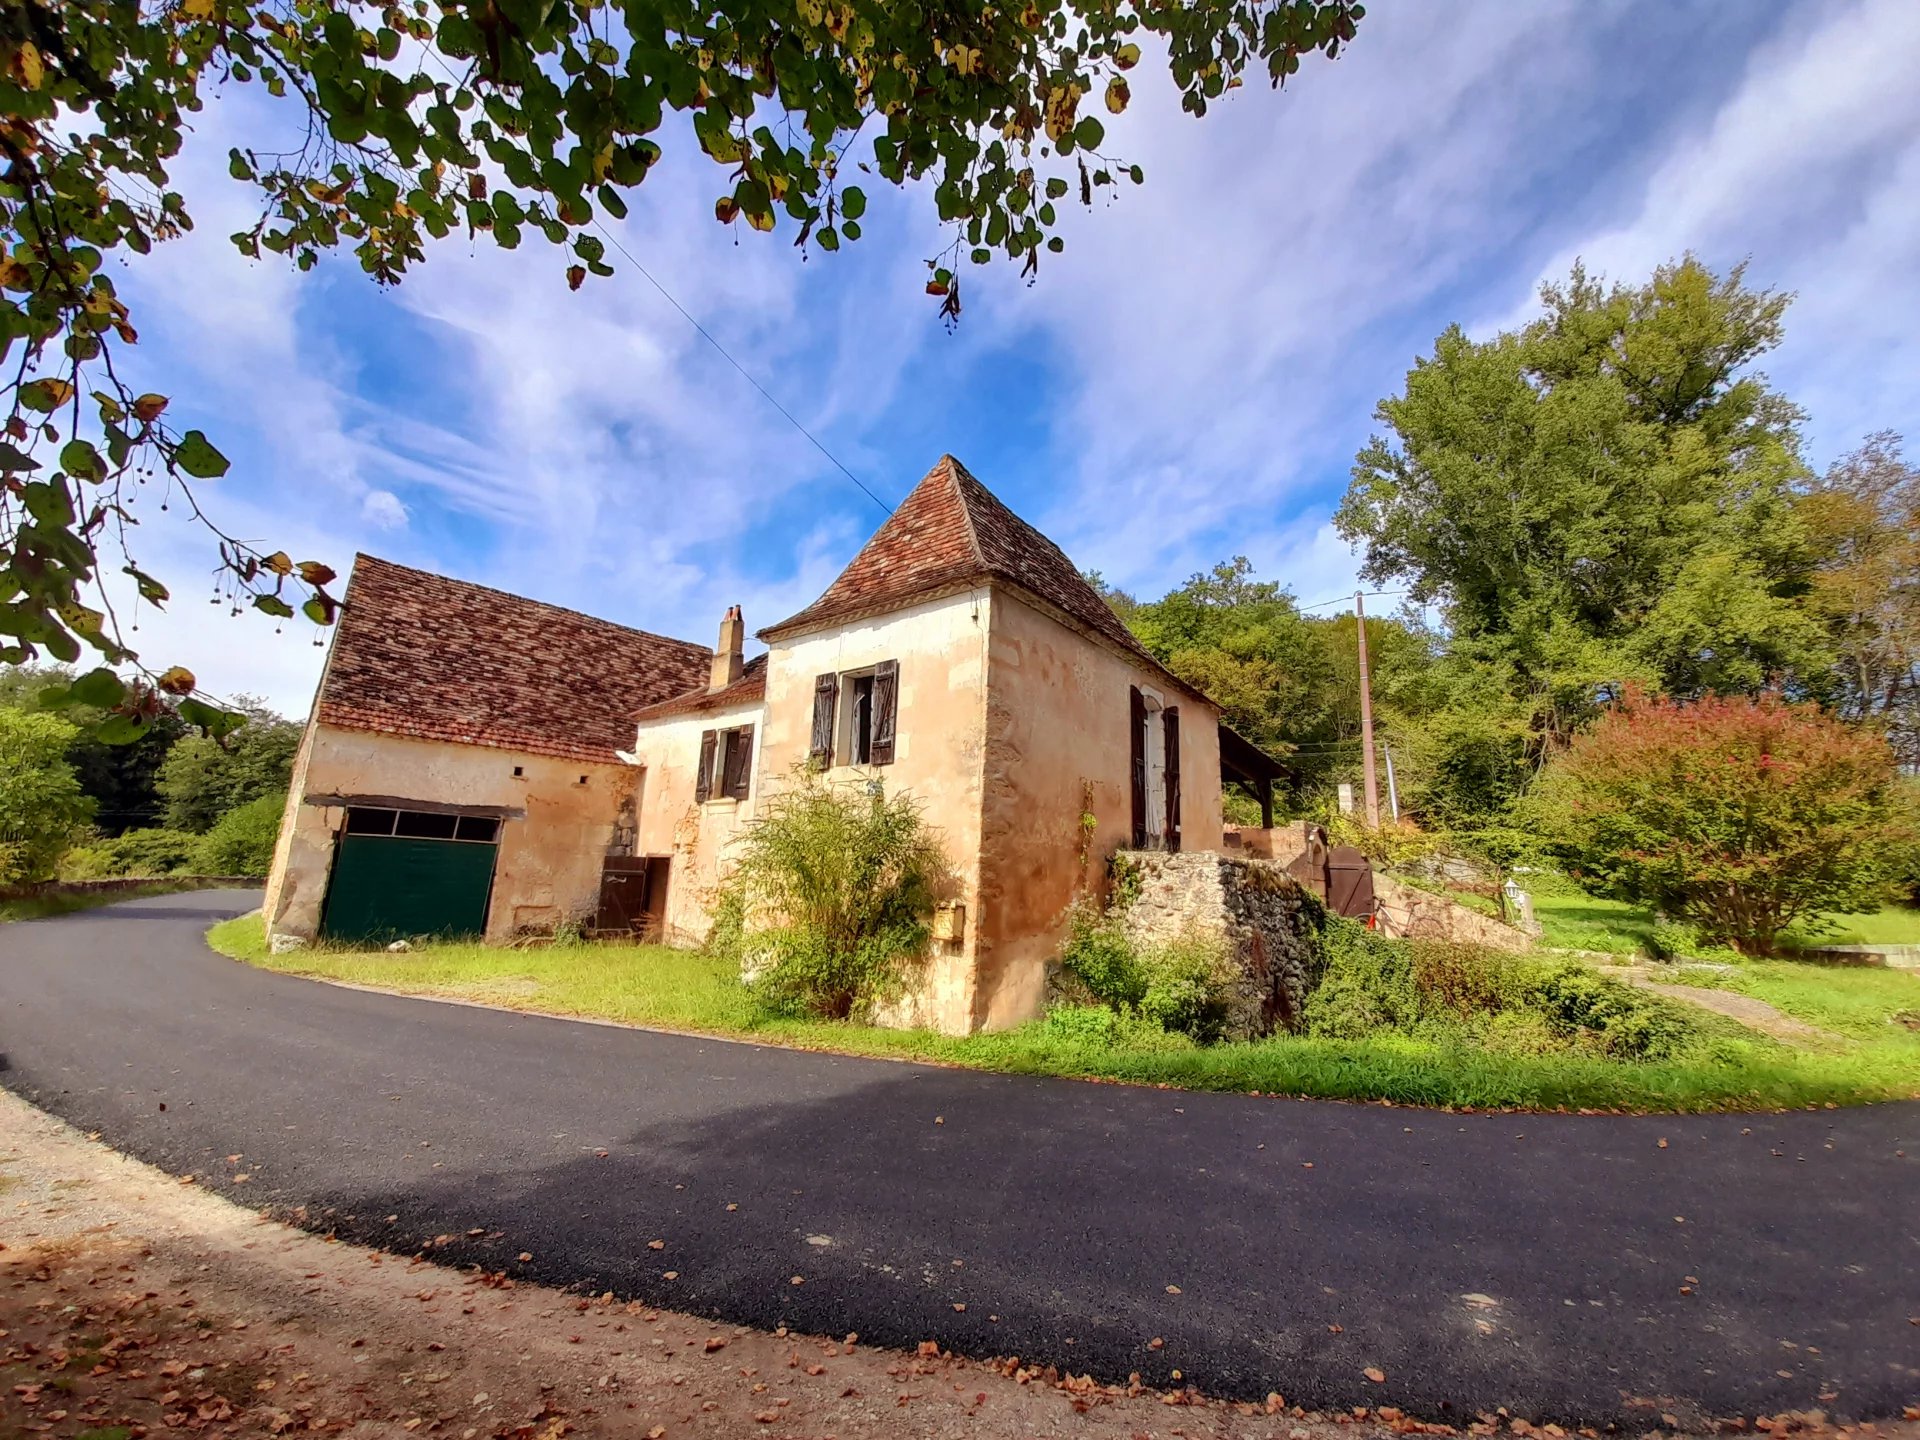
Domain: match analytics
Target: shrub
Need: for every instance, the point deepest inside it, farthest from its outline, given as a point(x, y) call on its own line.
point(1742, 815)
point(1367, 986)
point(241, 841)
point(1099, 956)
point(1609, 1016)
point(1186, 989)
point(844, 878)
point(137, 852)
point(1180, 988)
point(1461, 979)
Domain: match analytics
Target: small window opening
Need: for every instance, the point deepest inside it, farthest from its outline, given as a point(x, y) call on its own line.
point(861, 739)
point(518, 771)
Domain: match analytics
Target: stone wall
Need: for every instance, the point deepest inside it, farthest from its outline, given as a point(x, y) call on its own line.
point(1269, 927)
point(1407, 912)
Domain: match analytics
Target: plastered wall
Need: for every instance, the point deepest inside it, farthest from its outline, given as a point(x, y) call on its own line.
point(673, 823)
point(1058, 748)
point(551, 852)
point(939, 753)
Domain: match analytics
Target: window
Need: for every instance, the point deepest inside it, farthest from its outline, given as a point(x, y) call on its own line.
point(854, 716)
point(1155, 737)
point(422, 825)
point(726, 765)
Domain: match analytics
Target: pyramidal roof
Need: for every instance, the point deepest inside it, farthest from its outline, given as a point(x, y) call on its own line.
point(949, 531)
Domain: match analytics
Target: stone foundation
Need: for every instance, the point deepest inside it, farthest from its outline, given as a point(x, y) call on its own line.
point(1268, 924)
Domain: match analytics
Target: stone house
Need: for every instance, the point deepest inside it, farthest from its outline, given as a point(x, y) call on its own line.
point(960, 658)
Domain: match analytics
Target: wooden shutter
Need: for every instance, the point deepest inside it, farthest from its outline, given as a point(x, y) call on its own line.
point(1172, 717)
point(739, 761)
point(886, 702)
point(1137, 727)
point(826, 692)
point(703, 781)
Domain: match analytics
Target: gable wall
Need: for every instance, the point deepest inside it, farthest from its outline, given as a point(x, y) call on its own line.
point(941, 646)
point(1058, 746)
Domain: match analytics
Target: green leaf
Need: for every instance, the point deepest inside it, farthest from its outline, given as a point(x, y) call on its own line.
point(119, 729)
point(99, 687)
point(1089, 133)
point(80, 460)
point(195, 455)
point(853, 202)
point(209, 719)
point(273, 605)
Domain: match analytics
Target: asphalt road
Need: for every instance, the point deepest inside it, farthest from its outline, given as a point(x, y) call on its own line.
point(1584, 1269)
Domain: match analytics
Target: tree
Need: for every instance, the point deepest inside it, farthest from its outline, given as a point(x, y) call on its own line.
point(241, 841)
point(120, 778)
point(1602, 497)
point(42, 810)
point(502, 119)
point(1863, 522)
point(203, 779)
point(1743, 814)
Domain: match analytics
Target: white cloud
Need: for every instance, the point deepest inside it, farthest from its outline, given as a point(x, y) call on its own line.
point(1812, 169)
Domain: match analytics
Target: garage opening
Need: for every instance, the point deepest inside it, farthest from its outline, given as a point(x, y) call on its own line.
point(404, 873)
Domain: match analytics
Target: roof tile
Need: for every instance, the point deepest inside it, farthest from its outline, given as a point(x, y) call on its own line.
point(952, 529)
point(421, 655)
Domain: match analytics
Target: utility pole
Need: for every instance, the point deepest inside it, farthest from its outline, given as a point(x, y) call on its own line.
point(1393, 791)
point(1367, 772)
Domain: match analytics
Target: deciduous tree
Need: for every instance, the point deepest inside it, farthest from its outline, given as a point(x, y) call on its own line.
point(1601, 497)
point(42, 809)
point(1743, 814)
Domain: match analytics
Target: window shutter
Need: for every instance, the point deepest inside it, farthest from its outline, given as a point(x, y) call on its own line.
point(1137, 725)
point(1172, 716)
point(703, 781)
point(739, 761)
point(826, 691)
point(886, 702)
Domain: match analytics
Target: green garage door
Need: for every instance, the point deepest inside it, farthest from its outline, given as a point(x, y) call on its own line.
point(391, 880)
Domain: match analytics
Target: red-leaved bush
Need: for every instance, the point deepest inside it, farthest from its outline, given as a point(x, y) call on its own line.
point(1740, 814)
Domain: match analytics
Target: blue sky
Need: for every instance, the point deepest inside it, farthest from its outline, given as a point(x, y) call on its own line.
point(1189, 381)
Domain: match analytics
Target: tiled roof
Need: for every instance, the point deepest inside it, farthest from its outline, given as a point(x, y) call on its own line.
point(952, 529)
point(749, 689)
point(430, 658)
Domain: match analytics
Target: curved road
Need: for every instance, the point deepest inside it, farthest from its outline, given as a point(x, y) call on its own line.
point(1585, 1269)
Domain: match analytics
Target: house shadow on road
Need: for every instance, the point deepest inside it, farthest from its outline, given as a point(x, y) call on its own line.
point(1265, 1245)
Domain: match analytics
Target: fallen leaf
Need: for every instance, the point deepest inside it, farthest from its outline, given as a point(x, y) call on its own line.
point(656, 1432)
point(1663, 1142)
point(1173, 1289)
point(656, 1244)
point(1375, 1374)
point(716, 1342)
point(525, 1256)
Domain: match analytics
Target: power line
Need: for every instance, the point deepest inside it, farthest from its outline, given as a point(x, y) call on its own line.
point(707, 335)
point(1343, 599)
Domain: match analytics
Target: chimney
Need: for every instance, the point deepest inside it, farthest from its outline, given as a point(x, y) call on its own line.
point(727, 663)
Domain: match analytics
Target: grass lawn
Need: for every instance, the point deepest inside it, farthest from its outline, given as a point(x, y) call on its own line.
point(1571, 919)
point(680, 990)
point(38, 907)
